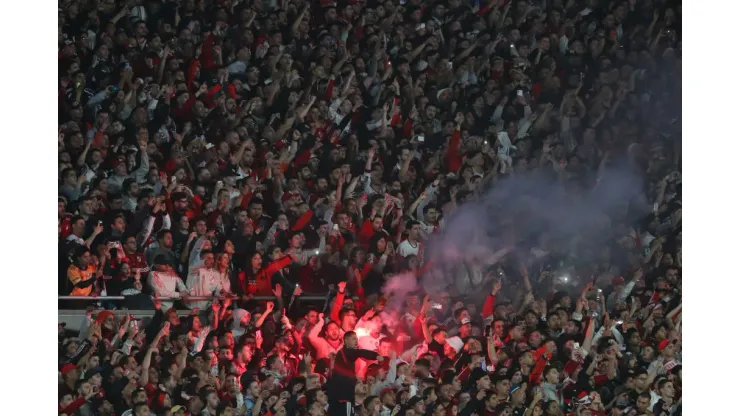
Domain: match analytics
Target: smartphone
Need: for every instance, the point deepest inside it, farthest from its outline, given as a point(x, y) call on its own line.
point(520, 93)
point(420, 138)
point(335, 227)
point(437, 306)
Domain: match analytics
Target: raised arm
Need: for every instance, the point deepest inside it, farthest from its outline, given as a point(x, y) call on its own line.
point(268, 311)
point(146, 363)
point(338, 302)
point(313, 335)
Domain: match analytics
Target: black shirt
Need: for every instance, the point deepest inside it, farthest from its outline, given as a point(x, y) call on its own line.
point(341, 385)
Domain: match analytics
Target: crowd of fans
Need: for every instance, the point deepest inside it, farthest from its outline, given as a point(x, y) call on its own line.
point(220, 159)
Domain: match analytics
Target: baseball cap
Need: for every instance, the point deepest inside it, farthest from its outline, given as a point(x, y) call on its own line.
point(455, 342)
point(161, 259)
point(412, 401)
point(464, 321)
point(70, 340)
point(66, 368)
point(385, 391)
point(662, 344)
point(95, 370)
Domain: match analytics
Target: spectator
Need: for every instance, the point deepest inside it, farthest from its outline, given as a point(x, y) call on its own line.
point(83, 274)
point(205, 279)
point(165, 283)
point(341, 391)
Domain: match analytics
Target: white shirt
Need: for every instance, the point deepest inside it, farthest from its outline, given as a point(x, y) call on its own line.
point(368, 342)
point(405, 249)
point(166, 285)
point(202, 281)
point(76, 239)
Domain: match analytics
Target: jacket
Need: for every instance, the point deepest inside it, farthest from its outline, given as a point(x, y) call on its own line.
point(341, 385)
point(166, 285)
point(260, 284)
point(202, 281)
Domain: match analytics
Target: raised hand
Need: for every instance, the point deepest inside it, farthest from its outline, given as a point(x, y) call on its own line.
point(496, 287)
point(459, 118)
point(538, 396)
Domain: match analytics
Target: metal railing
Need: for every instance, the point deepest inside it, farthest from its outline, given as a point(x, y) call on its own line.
point(308, 297)
point(72, 308)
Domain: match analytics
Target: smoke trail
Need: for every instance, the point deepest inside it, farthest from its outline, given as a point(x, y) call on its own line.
point(518, 211)
point(398, 288)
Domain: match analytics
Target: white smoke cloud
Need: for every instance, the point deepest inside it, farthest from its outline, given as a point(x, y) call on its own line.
point(516, 212)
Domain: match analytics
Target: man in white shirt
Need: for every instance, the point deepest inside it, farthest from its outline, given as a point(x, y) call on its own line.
point(412, 244)
point(425, 213)
point(205, 280)
point(368, 331)
point(165, 283)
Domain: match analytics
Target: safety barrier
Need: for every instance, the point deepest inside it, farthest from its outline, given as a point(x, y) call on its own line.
point(73, 317)
point(192, 298)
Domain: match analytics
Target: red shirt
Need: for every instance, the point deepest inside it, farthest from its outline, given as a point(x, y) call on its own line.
point(137, 261)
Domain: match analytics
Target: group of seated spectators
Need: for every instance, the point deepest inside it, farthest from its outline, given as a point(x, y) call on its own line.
point(257, 174)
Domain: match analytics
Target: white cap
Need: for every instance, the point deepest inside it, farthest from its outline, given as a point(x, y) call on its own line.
point(442, 91)
point(455, 342)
